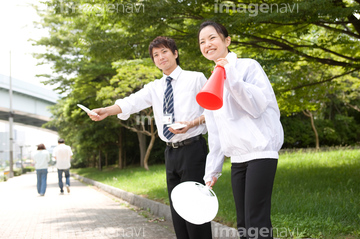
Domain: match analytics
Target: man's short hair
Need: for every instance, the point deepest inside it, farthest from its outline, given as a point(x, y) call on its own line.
point(164, 42)
point(61, 141)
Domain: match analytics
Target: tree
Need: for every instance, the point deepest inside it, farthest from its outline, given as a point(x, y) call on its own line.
point(132, 76)
point(310, 115)
point(321, 34)
point(80, 68)
point(309, 49)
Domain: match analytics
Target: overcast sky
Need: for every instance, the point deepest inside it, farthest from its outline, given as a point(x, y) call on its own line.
point(16, 28)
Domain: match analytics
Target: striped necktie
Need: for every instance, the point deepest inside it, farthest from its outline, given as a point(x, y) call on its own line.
point(168, 106)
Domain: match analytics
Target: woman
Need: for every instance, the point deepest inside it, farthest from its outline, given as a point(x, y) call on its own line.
point(247, 129)
point(42, 158)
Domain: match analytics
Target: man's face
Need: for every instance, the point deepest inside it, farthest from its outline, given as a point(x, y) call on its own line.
point(164, 59)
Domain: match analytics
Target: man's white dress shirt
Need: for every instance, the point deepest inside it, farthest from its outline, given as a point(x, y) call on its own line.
point(186, 85)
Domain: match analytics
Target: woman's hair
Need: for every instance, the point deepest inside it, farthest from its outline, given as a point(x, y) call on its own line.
point(41, 147)
point(220, 29)
point(164, 42)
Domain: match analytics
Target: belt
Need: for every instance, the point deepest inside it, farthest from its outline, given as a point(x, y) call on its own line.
point(184, 142)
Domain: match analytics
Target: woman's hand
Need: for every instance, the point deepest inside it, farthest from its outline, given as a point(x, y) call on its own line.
point(221, 62)
point(211, 183)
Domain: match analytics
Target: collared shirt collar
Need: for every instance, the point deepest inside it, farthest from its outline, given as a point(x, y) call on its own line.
point(175, 74)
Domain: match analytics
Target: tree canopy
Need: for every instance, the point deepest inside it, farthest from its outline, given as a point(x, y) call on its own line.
point(99, 50)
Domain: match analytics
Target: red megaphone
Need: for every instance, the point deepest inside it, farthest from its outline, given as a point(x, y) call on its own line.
point(211, 95)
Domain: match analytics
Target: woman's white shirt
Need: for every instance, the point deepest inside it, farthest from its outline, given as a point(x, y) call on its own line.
point(248, 125)
point(41, 158)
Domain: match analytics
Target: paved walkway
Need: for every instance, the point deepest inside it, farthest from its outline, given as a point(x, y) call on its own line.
point(83, 213)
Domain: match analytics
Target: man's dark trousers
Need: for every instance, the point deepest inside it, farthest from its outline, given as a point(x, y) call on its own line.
point(186, 163)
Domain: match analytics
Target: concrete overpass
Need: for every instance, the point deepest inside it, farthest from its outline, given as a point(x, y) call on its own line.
point(31, 109)
point(30, 102)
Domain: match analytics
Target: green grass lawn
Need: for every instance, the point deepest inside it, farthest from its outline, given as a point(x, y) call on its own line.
point(316, 194)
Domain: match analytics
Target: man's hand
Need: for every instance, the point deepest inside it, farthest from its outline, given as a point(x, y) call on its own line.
point(105, 112)
point(182, 130)
point(102, 114)
point(189, 125)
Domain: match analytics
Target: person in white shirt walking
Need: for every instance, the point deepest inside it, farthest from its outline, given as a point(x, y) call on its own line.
point(62, 154)
point(173, 100)
point(247, 129)
point(41, 158)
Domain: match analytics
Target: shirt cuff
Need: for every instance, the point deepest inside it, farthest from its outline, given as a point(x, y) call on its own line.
point(125, 108)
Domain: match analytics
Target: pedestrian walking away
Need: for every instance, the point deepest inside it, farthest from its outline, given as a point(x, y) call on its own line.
point(41, 158)
point(62, 154)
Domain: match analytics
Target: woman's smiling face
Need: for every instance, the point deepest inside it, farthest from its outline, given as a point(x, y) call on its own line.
point(213, 45)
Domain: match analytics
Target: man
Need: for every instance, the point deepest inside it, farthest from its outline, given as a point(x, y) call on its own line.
point(173, 98)
point(62, 154)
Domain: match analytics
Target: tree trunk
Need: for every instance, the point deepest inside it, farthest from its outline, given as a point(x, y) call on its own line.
point(310, 115)
point(151, 144)
point(142, 146)
point(141, 132)
point(93, 160)
point(99, 163)
point(353, 107)
point(147, 155)
point(124, 158)
point(120, 145)
point(106, 159)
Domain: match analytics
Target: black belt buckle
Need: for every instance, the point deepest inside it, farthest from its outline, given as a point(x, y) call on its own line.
point(173, 145)
point(184, 142)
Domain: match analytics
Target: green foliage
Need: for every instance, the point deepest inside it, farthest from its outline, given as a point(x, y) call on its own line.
point(85, 137)
point(297, 132)
point(17, 171)
point(131, 76)
point(28, 169)
point(343, 130)
point(309, 50)
point(3, 178)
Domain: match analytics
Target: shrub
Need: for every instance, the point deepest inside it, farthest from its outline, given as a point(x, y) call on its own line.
point(17, 171)
point(3, 178)
point(28, 169)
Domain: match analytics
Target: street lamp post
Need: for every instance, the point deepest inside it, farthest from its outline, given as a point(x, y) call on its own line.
point(1, 160)
point(11, 115)
point(21, 158)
